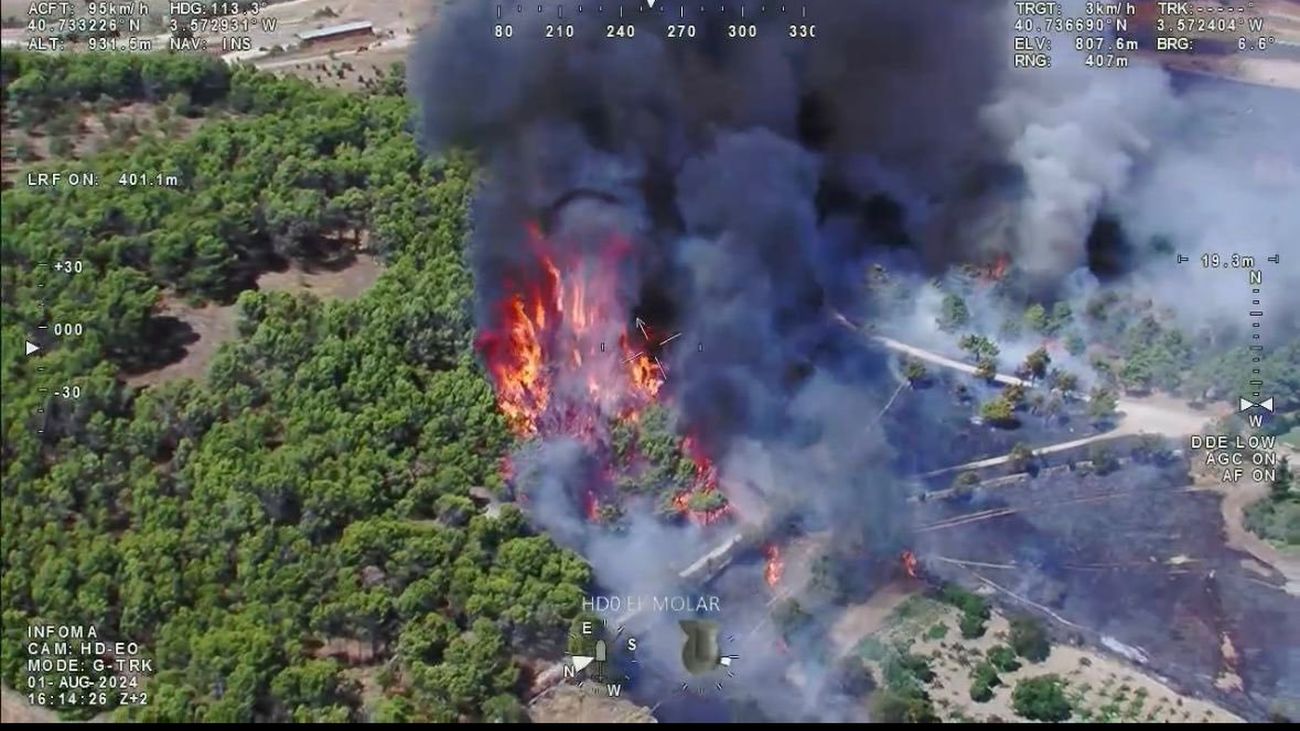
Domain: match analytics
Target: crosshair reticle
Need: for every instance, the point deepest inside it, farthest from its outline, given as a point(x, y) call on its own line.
point(652, 346)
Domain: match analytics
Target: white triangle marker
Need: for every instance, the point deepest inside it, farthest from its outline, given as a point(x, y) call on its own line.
point(580, 662)
point(30, 347)
point(651, 3)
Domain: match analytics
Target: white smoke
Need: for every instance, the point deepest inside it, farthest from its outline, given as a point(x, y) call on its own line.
point(1076, 134)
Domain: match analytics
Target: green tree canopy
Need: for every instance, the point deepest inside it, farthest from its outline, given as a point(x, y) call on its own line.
point(1042, 698)
point(304, 504)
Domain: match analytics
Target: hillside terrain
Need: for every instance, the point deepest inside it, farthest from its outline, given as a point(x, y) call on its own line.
point(338, 421)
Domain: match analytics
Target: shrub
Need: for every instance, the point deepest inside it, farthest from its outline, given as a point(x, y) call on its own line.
point(975, 611)
point(1004, 659)
point(1041, 699)
point(983, 681)
point(888, 706)
point(972, 626)
point(1029, 640)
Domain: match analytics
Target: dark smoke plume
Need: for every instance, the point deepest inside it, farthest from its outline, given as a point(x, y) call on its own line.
point(749, 177)
point(877, 97)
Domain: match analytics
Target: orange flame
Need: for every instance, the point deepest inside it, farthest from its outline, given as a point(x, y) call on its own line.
point(706, 481)
point(681, 501)
point(909, 564)
point(550, 330)
point(706, 474)
point(646, 378)
point(997, 269)
point(522, 387)
point(564, 359)
point(775, 566)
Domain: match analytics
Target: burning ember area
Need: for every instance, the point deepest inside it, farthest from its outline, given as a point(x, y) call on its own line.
point(998, 269)
point(908, 560)
point(775, 566)
point(566, 360)
point(558, 349)
point(994, 271)
point(706, 483)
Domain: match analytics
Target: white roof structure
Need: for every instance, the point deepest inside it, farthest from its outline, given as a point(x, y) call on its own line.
point(334, 30)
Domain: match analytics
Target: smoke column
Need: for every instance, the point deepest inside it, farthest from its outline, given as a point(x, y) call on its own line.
point(743, 175)
point(746, 181)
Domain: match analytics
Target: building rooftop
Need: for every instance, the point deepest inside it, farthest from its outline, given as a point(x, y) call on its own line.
point(333, 30)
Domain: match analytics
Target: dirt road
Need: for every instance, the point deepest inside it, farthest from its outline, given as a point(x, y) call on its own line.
point(1153, 415)
point(1236, 498)
point(859, 621)
point(995, 461)
point(1150, 415)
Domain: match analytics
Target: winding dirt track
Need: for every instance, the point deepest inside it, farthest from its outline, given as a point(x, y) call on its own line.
point(1150, 415)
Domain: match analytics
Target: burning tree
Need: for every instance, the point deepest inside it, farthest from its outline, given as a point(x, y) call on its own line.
point(560, 353)
point(556, 374)
point(559, 333)
point(774, 567)
point(910, 564)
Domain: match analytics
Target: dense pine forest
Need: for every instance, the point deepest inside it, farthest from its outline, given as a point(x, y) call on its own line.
point(311, 491)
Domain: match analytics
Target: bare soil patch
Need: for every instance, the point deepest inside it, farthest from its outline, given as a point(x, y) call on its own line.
point(200, 331)
point(345, 283)
point(567, 703)
point(14, 708)
point(863, 620)
point(1236, 498)
point(367, 679)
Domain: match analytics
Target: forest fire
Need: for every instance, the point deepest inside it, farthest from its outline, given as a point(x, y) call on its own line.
point(704, 503)
point(775, 566)
point(567, 359)
point(521, 387)
point(646, 377)
point(557, 348)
